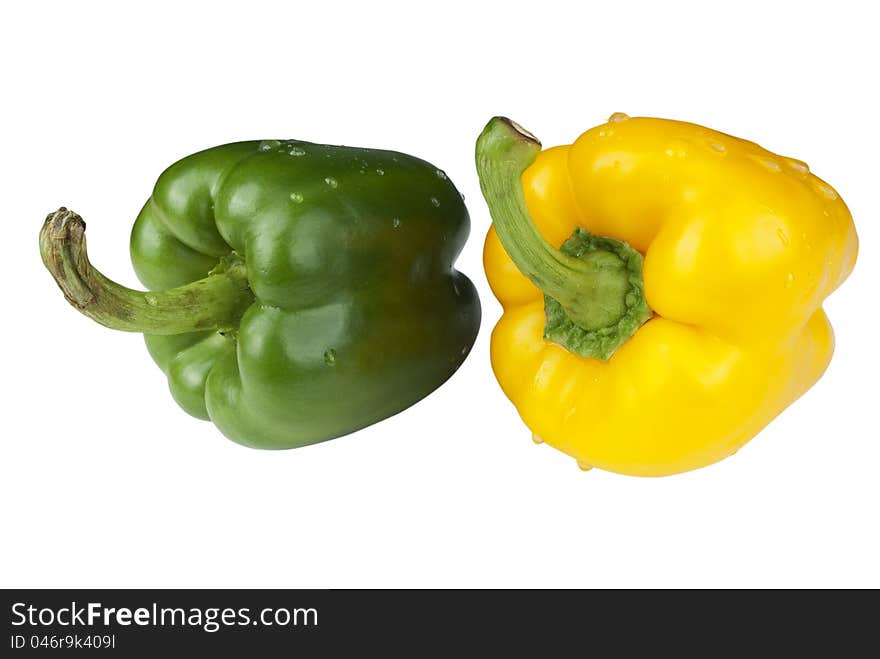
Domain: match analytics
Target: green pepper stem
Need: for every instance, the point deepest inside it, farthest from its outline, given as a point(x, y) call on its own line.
point(215, 302)
point(599, 288)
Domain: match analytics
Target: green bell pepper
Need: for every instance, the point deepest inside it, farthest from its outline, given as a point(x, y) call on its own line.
point(303, 291)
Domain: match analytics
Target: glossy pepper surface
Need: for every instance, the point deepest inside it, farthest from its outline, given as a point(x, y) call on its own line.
point(302, 291)
point(662, 287)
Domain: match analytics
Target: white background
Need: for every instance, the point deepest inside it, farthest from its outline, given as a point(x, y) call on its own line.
point(105, 482)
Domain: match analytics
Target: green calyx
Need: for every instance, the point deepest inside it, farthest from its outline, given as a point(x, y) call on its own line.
point(215, 302)
point(594, 297)
point(623, 277)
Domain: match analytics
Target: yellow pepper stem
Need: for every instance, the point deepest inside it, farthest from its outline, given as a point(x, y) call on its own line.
point(594, 298)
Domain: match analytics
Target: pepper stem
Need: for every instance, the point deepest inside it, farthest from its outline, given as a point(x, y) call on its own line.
point(215, 302)
point(596, 280)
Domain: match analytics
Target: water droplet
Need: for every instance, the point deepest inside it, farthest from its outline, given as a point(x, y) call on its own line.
point(464, 350)
point(677, 149)
point(798, 167)
point(435, 202)
point(296, 151)
point(537, 439)
point(330, 357)
point(362, 171)
point(461, 194)
point(332, 182)
point(296, 197)
point(455, 288)
point(583, 466)
point(769, 164)
point(269, 145)
point(380, 172)
point(828, 191)
point(783, 237)
point(617, 117)
point(789, 280)
point(604, 133)
point(395, 222)
point(394, 158)
point(441, 174)
point(718, 146)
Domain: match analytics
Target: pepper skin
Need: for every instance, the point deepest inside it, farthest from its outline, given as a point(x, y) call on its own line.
point(740, 247)
point(303, 292)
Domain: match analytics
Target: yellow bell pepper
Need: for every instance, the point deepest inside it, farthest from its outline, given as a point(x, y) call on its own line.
point(662, 287)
